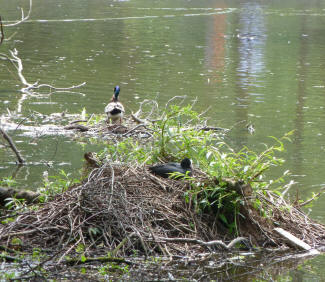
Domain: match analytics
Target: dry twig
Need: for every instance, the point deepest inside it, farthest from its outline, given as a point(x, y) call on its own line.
point(1, 30)
point(12, 145)
point(23, 17)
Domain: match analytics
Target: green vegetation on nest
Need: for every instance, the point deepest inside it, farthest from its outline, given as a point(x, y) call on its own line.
point(177, 134)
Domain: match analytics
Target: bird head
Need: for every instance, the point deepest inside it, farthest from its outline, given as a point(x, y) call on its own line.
point(116, 93)
point(186, 163)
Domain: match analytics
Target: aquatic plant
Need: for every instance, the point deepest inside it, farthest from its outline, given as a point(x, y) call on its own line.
point(180, 132)
point(55, 184)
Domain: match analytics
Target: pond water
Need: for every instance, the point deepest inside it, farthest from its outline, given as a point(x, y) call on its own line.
point(252, 62)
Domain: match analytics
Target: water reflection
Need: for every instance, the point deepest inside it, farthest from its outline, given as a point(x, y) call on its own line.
point(251, 47)
point(302, 71)
point(216, 48)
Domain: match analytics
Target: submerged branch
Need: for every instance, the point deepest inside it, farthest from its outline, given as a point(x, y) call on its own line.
point(312, 199)
point(23, 18)
point(37, 86)
point(29, 87)
point(12, 145)
point(27, 195)
point(10, 258)
point(98, 259)
point(1, 30)
point(206, 244)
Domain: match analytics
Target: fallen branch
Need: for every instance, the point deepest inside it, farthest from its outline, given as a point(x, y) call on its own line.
point(206, 244)
point(154, 108)
point(97, 259)
point(37, 86)
point(136, 119)
point(174, 98)
point(28, 88)
point(134, 128)
point(29, 196)
point(79, 127)
point(10, 258)
point(293, 240)
point(79, 120)
point(212, 128)
point(313, 198)
point(23, 18)
point(1, 30)
point(12, 145)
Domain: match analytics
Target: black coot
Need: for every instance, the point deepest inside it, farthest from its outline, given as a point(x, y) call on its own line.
point(164, 170)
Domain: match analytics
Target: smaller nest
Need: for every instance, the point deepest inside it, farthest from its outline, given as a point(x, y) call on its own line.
point(122, 208)
point(110, 131)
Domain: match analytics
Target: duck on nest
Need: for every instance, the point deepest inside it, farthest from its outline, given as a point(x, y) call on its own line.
point(164, 170)
point(115, 109)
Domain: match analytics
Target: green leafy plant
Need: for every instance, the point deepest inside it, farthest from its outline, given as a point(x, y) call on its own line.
point(56, 184)
point(14, 203)
point(178, 133)
point(8, 182)
point(111, 268)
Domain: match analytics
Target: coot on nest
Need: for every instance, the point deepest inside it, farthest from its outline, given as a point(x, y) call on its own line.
point(164, 170)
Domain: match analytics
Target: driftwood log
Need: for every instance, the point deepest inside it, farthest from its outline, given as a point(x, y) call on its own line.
point(79, 127)
point(29, 196)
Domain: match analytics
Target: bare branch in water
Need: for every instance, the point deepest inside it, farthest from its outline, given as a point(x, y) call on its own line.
point(206, 244)
point(321, 191)
point(35, 86)
point(23, 18)
point(29, 87)
point(174, 98)
point(17, 62)
point(12, 145)
point(1, 30)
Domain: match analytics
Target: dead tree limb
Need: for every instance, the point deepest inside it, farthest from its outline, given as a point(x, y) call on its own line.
point(79, 127)
point(27, 195)
point(1, 30)
point(206, 244)
point(12, 145)
point(23, 18)
point(98, 259)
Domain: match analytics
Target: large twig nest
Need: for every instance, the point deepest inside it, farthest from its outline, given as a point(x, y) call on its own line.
point(126, 208)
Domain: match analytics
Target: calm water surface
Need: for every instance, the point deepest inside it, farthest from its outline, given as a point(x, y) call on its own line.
point(258, 62)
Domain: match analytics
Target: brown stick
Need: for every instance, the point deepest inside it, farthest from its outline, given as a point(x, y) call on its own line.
point(207, 244)
point(312, 199)
point(98, 259)
point(12, 145)
point(1, 30)
point(80, 127)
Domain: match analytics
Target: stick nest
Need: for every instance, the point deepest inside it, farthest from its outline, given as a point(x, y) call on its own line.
point(123, 209)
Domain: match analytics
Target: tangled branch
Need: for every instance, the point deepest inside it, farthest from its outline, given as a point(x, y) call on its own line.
point(23, 17)
point(29, 87)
